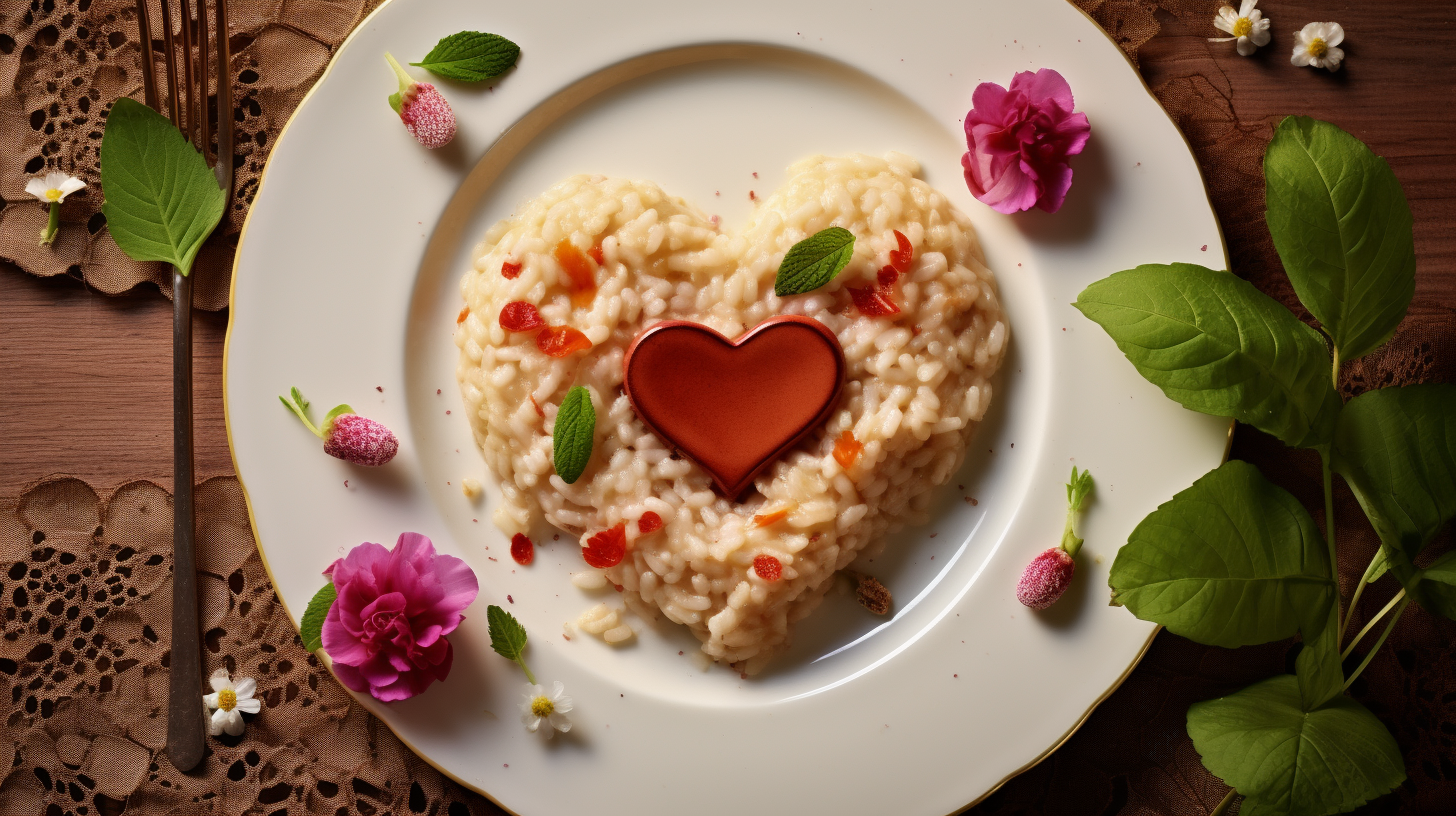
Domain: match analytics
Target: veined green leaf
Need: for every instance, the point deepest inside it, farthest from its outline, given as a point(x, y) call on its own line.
point(1318, 669)
point(1343, 230)
point(507, 635)
point(1232, 561)
point(814, 261)
point(1291, 762)
point(572, 435)
point(1217, 345)
point(161, 200)
point(311, 627)
point(472, 56)
point(1438, 586)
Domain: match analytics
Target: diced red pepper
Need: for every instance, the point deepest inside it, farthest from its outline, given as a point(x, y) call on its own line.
point(873, 302)
point(606, 549)
point(649, 523)
point(847, 449)
point(510, 271)
point(581, 272)
point(887, 277)
point(768, 567)
point(901, 258)
point(561, 341)
point(520, 316)
point(522, 549)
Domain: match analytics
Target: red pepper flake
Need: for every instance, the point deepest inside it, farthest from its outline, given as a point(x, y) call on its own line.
point(464, 313)
point(561, 341)
point(491, 558)
point(900, 258)
point(887, 277)
point(510, 271)
point(520, 316)
point(537, 406)
point(379, 388)
point(605, 549)
point(768, 568)
point(649, 523)
point(770, 518)
point(522, 549)
point(752, 196)
point(509, 599)
point(579, 270)
point(847, 449)
point(596, 254)
point(873, 302)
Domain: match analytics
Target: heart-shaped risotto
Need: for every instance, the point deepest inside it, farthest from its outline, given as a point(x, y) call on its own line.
point(608, 258)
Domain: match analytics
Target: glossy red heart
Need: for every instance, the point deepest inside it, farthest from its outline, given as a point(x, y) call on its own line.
point(734, 406)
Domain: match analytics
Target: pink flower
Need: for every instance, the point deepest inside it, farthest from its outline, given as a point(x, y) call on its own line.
point(1020, 140)
point(386, 631)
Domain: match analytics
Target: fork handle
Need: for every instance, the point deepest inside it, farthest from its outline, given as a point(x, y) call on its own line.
point(186, 741)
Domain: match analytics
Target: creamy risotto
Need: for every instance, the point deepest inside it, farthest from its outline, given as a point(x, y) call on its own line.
point(917, 383)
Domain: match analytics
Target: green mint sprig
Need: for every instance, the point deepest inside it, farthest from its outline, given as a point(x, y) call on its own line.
point(1234, 560)
point(508, 637)
point(471, 56)
point(814, 261)
point(161, 198)
point(571, 437)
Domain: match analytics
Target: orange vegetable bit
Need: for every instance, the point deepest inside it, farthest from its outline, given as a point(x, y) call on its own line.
point(580, 270)
point(540, 412)
point(873, 302)
point(596, 254)
point(770, 518)
point(510, 271)
point(901, 258)
point(561, 341)
point(847, 449)
point(464, 313)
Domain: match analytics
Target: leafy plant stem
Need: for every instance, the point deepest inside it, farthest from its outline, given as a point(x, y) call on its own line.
point(530, 678)
point(1381, 642)
point(1335, 367)
point(1329, 483)
point(1223, 806)
point(1371, 625)
point(1355, 599)
point(53, 223)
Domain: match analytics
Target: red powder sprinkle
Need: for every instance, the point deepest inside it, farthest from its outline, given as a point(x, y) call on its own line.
point(520, 316)
point(887, 276)
point(509, 599)
point(872, 302)
point(900, 258)
point(522, 549)
point(510, 271)
point(605, 549)
point(755, 174)
point(649, 523)
point(379, 388)
point(596, 254)
point(437, 390)
point(561, 341)
point(768, 567)
point(346, 483)
point(752, 196)
point(492, 558)
point(1205, 248)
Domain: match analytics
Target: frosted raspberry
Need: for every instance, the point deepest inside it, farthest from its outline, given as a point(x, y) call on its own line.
point(1046, 578)
point(361, 441)
point(425, 113)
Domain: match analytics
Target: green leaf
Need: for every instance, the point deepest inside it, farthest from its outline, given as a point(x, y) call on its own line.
point(1343, 230)
point(814, 261)
point(571, 437)
point(507, 636)
point(1438, 586)
point(333, 414)
point(311, 628)
point(162, 201)
point(1396, 448)
point(1231, 561)
point(1217, 345)
point(1318, 670)
point(1290, 762)
point(471, 56)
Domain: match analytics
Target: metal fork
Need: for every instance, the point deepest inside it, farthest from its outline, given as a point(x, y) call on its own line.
point(187, 106)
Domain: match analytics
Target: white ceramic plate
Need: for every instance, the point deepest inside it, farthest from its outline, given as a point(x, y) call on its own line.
point(346, 282)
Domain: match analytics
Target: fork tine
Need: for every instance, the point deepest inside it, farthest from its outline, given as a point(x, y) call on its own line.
point(224, 166)
point(170, 60)
point(189, 91)
point(202, 123)
point(149, 65)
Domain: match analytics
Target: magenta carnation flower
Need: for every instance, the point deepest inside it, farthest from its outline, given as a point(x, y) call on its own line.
point(1020, 140)
point(386, 631)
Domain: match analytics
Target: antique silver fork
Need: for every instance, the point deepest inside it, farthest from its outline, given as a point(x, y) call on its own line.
point(187, 106)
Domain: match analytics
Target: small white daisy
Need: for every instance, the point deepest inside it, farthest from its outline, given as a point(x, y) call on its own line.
point(54, 188)
point(228, 701)
point(536, 706)
point(1248, 26)
point(1315, 45)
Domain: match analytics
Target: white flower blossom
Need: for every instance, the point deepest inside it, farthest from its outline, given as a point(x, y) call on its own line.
point(228, 701)
point(536, 706)
point(54, 188)
point(1248, 26)
point(1315, 45)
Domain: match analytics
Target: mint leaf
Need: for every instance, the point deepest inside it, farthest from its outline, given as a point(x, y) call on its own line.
point(814, 261)
point(571, 437)
point(471, 56)
point(1232, 561)
point(1217, 345)
point(311, 627)
point(161, 200)
point(1343, 230)
point(507, 636)
point(1290, 762)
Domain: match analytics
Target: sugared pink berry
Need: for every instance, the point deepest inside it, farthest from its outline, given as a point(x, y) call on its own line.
point(360, 440)
point(1046, 578)
point(425, 113)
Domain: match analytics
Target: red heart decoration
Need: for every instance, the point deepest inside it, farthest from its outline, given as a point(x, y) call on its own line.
point(734, 405)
